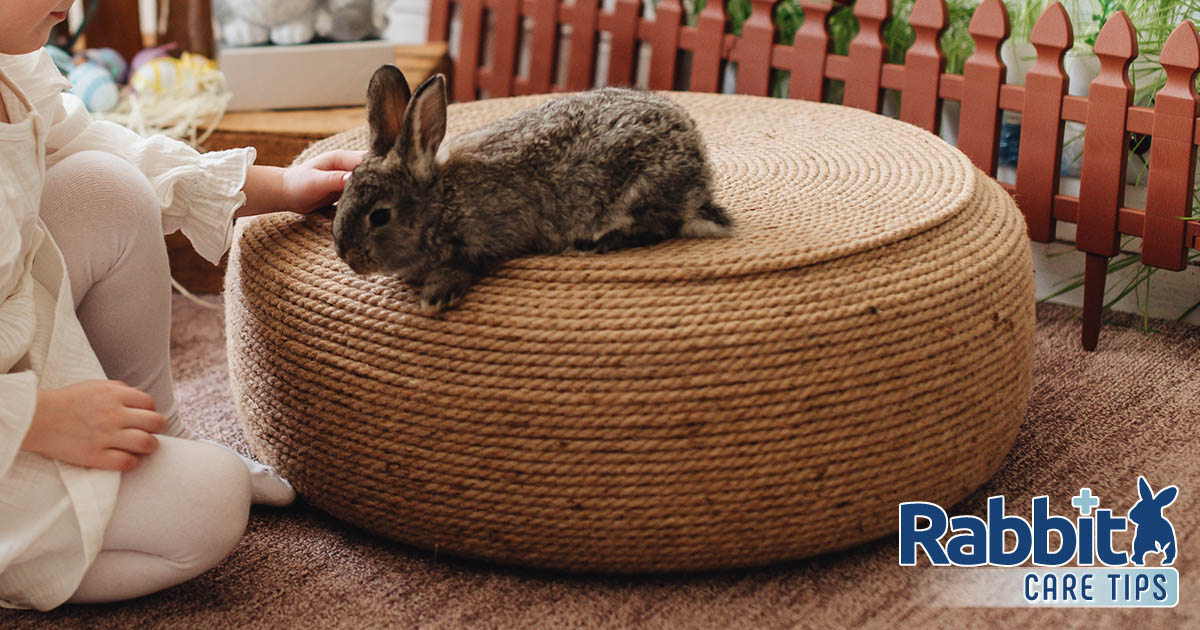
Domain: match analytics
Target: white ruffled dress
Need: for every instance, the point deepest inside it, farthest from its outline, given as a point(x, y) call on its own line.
point(53, 515)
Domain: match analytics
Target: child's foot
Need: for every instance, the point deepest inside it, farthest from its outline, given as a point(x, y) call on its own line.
point(267, 487)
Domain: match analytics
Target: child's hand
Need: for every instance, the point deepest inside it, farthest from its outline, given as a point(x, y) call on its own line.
point(97, 424)
point(301, 188)
point(319, 181)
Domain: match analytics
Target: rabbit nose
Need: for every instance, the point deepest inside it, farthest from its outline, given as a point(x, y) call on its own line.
point(357, 261)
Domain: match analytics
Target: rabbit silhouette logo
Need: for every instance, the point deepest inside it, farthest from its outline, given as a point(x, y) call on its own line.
point(1153, 533)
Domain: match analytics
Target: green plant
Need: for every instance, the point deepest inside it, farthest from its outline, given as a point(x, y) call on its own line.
point(956, 39)
point(1022, 15)
point(1154, 20)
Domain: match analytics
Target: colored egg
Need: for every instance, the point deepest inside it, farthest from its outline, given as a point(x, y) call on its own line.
point(144, 57)
point(94, 85)
point(158, 76)
point(110, 59)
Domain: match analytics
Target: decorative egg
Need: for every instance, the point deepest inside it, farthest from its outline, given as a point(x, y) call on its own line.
point(94, 85)
point(183, 77)
point(110, 59)
point(158, 76)
point(144, 57)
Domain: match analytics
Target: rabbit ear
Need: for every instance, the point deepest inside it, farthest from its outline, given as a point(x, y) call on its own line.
point(1166, 496)
point(1144, 490)
point(387, 98)
point(425, 122)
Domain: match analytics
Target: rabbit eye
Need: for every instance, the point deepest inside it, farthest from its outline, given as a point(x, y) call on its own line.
point(380, 217)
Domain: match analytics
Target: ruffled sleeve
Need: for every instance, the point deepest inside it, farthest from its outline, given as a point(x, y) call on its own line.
point(198, 192)
point(18, 388)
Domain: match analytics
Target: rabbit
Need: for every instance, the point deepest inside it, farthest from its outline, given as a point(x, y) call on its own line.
point(585, 173)
point(1154, 532)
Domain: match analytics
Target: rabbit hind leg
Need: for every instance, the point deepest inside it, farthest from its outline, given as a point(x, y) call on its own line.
point(648, 228)
point(709, 220)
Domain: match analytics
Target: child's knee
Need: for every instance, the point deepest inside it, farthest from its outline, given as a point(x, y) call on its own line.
point(94, 191)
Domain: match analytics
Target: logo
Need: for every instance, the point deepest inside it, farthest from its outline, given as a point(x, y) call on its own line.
point(1050, 540)
point(1154, 532)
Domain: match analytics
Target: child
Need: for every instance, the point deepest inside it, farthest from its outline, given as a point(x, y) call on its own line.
point(101, 497)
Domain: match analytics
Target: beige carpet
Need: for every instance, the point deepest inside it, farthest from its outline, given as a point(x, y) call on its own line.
point(1095, 419)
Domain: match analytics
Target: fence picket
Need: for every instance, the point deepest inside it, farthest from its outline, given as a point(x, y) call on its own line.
point(753, 52)
point(582, 59)
point(1102, 174)
point(1172, 153)
point(439, 21)
point(866, 55)
point(811, 46)
point(709, 50)
point(1105, 142)
point(623, 45)
point(544, 46)
point(1041, 123)
point(470, 43)
point(664, 45)
point(979, 123)
point(923, 66)
point(504, 47)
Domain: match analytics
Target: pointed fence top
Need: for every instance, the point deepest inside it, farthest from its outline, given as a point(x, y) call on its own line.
point(990, 20)
point(1117, 39)
point(930, 14)
point(878, 9)
point(1182, 49)
point(1053, 29)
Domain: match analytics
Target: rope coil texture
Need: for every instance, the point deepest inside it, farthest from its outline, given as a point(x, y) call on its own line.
point(865, 339)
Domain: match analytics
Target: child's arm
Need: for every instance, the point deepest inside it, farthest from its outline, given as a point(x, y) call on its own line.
point(301, 188)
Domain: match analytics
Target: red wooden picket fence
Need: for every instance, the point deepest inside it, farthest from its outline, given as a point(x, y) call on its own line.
point(1098, 212)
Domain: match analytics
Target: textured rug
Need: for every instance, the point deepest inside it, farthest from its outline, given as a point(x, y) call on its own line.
point(1096, 420)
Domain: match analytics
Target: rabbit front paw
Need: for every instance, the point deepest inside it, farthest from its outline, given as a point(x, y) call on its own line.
point(444, 288)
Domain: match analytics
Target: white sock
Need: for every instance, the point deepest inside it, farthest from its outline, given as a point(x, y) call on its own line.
point(267, 487)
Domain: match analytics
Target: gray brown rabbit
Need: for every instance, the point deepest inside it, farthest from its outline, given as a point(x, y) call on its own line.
point(593, 172)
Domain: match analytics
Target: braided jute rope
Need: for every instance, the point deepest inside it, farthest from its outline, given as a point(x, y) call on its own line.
point(865, 339)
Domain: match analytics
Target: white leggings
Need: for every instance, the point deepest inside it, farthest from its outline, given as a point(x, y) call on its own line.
point(185, 507)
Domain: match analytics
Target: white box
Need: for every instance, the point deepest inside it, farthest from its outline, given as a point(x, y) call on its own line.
point(298, 77)
point(407, 21)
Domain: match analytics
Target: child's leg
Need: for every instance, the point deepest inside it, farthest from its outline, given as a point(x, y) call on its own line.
point(178, 514)
point(105, 217)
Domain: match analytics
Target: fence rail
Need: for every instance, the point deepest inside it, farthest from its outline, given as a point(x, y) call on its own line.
point(1099, 212)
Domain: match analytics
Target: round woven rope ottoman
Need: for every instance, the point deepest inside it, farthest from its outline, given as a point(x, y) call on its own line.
point(865, 339)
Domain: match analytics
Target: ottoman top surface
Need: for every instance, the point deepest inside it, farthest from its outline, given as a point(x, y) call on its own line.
point(806, 182)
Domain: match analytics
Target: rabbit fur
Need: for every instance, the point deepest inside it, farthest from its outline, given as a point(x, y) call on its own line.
point(590, 172)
